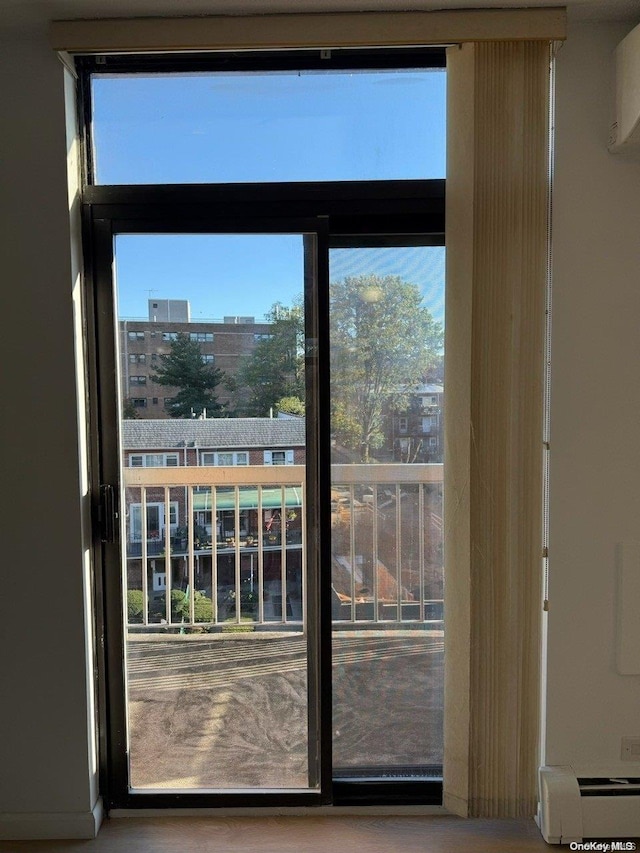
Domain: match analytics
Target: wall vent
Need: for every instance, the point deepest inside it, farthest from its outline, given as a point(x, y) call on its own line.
point(577, 804)
point(624, 136)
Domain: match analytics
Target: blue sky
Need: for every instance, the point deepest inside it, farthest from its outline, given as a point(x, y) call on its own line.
point(224, 275)
point(243, 127)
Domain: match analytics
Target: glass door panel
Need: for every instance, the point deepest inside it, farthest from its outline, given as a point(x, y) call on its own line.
point(212, 385)
point(387, 394)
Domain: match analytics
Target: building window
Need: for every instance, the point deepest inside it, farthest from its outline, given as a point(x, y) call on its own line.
point(261, 337)
point(169, 336)
point(137, 380)
point(155, 521)
point(402, 424)
point(236, 457)
point(154, 401)
point(429, 401)
point(135, 336)
point(429, 424)
point(278, 457)
point(208, 358)
point(139, 402)
point(153, 460)
point(201, 337)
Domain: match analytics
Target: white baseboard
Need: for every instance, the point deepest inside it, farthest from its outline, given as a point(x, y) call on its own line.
point(32, 826)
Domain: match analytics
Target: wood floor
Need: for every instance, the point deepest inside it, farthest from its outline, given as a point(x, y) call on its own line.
point(339, 834)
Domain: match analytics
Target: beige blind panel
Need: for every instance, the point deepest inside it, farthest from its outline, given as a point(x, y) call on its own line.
point(341, 29)
point(497, 266)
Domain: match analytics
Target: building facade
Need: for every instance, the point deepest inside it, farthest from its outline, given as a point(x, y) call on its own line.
point(224, 344)
point(416, 433)
point(224, 542)
point(214, 553)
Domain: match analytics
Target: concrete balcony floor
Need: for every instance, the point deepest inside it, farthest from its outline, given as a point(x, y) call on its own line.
point(229, 711)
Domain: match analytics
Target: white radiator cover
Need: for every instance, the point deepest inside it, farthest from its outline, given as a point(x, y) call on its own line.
point(565, 815)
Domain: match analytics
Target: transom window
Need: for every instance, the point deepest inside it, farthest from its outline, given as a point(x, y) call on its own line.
point(318, 123)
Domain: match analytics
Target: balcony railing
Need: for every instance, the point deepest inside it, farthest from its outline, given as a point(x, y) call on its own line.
point(223, 547)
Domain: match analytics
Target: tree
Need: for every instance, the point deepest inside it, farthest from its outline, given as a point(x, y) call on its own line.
point(275, 369)
point(290, 406)
point(129, 411)
point(135, 605)
point(183, 368)
point(383, 342)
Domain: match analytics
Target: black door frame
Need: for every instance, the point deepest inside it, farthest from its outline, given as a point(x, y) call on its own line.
point(357, 215)
point(352, 213)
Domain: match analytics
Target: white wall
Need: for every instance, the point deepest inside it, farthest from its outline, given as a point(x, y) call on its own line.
point(595, 432)
point(46, 761)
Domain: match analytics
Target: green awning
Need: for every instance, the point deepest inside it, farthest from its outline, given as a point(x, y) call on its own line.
point(226, 499)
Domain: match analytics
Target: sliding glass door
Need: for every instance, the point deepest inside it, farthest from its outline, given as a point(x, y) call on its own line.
point(387, 403)
point(211, 548)
point(273, 566)
point(265, 288)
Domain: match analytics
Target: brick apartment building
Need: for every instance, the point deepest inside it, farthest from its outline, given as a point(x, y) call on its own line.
point(416, 433)
point(248, 529)
point(256, 533)
point(224, 343)
point(216, 442)
point(176, 442)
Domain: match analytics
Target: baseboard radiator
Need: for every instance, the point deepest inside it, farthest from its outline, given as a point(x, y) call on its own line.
point(575, 805)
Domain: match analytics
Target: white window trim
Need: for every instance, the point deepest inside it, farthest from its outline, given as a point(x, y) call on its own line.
point(144, 457)
point(429, 424)
point(240, 457)
point(288, 456)
point(135, 529)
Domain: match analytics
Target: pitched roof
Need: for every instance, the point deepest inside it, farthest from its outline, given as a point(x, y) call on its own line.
point(428, 388)
point(212, 433)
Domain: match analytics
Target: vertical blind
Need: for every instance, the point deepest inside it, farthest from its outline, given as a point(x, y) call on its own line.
point(497, 233)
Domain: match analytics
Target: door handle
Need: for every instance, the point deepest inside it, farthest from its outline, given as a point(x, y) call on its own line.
point(108, 514)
